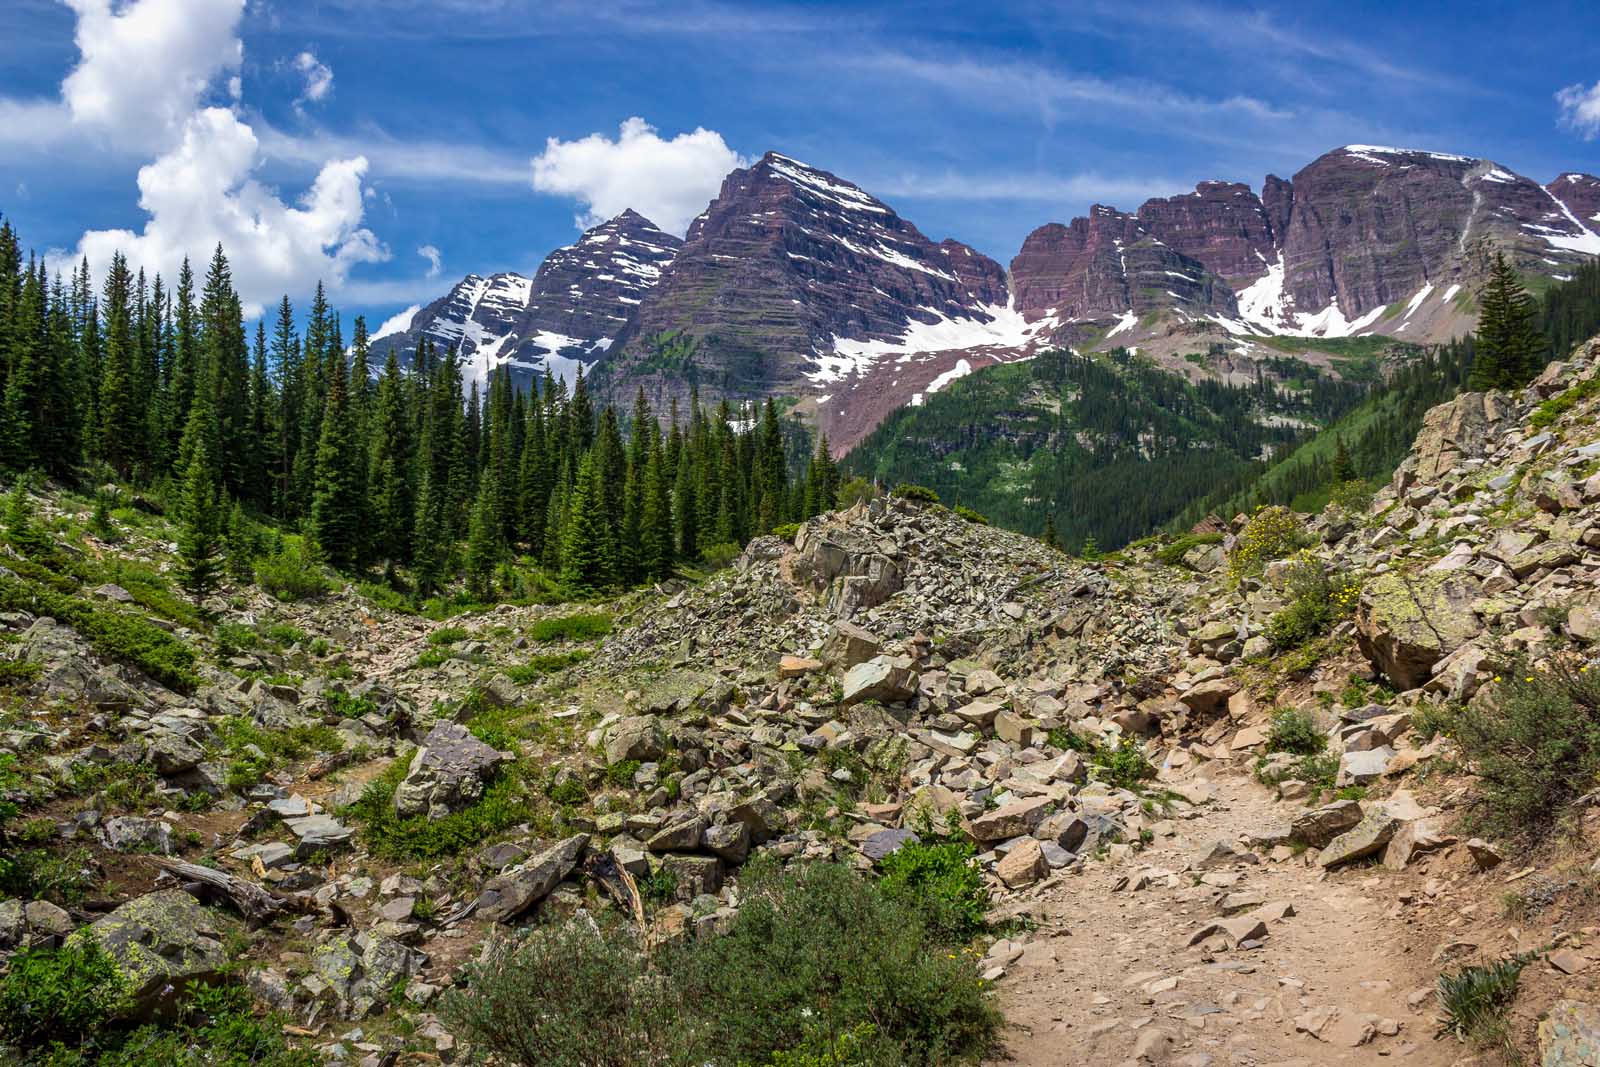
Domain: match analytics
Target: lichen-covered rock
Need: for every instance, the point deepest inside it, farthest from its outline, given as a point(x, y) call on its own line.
point(1569, 1035)
point(447, 772)
point(880, 679)
point(509, 894)
point(637, 737)
point(160, 943)
point(1406, 623)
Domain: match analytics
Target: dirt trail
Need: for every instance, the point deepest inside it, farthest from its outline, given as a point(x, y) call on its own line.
point(1108, 977)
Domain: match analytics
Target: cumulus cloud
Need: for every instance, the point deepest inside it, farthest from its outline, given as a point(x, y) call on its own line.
point(1580, 109)
point(669, 182)
point(435, 260)
point(397, 323)
point(144, 66)
point(318, 80)
point(201, 193)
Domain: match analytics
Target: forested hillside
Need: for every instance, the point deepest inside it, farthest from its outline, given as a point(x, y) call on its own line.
point(164, 389)
point(1109, 446)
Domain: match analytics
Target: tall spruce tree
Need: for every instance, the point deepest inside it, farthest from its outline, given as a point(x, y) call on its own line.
point(1510, 352)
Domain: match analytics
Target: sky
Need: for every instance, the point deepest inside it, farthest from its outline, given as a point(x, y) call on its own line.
point(388, 147)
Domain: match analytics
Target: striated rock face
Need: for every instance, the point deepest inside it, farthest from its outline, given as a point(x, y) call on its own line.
point(1369, 226)
point(567, 315)
point(1222, 225)
point(1579, 194)
point(785, 263)
point(1107, 266)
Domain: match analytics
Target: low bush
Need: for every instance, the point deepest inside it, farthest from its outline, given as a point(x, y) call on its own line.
point(1550, 410)
point(1295, 731)
point(539, 666)
point(786, 531)
point(1122, 765)
point(18, 672)
point(1473, 1000)
point(291, 573)
point(1173, 552)
point(502, 806)
point(1272, 533)
point(583, 627)
point(942, 881)
point(448, 635)
point(115, 635)
point(1317, 601)
point(1534, 743)
point(720, 555)
point(819, 967)
point(971, 516)
point(58, 995)
point(921, 494)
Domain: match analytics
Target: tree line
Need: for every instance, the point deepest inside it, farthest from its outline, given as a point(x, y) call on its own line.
point(398, 468)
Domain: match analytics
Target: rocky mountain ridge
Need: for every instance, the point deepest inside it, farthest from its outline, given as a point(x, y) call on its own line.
point(796, 282)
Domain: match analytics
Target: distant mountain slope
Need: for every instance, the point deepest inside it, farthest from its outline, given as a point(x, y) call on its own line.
point(566, 316)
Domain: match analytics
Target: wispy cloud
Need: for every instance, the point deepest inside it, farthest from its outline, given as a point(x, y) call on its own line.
point(396, 158)
point(1023, 188)
point(1579, 109)
point(435, 260)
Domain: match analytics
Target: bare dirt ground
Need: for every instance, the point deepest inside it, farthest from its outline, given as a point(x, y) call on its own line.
point(1109, 977)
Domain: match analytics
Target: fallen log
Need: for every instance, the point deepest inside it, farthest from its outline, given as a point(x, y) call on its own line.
point(251, 900)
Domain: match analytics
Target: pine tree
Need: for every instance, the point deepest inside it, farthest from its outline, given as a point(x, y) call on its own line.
point(1510, 352)
point(1050, 537)
point(199, 516)
point(1343, 469)
point(483, 542)
point(338, 497)
point(429, 553)
point(586, 552)
point(655, 521)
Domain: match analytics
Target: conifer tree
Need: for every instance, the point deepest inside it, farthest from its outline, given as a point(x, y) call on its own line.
point(1509, 349)
point(586, 551)
point(336, 507)
point(483, 541)
point(199, 515)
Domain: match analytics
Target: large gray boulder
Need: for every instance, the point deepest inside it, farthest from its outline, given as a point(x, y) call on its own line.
point(160, 943)
point(508, 895)
point(637, 737)
point(447, 773)
point(1406, 623)
point(882, 679)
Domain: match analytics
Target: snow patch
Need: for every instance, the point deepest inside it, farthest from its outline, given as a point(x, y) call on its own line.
point(1126, 322)
point(1002, 327)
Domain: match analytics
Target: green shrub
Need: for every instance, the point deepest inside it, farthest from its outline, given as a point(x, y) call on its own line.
point(720, 555)
point(786, 531)
point(1551, 410)
point(64, 994)
point(583, 627)
point(1534, 743)
point(539, 666)
point(502, 806)
point(1473, 1000)
point(920, 494)
point(1173, 552)
point(292, 573)
point(114, 635)
point(819, 950)
point(568, 793)
point(970, 515)
point(347, 706)
point(1122, 765)
point(943, 883)
point(570, 995)
point(448, 635)
point(1318, 599)
point(822, 1050)
point(39, 874)
point(282, 634)
point(1295, 731)
point(1318, 771)
point(620, 774)
point(433, 657)
point(853, 491)
point(1271, 534)
point(19, 672)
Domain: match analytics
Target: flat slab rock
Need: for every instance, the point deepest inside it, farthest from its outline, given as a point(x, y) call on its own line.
point(1569, 1035)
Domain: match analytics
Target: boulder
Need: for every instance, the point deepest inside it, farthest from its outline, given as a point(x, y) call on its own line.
point(1209, 697)
point(130, 833)
point(637, 737)
point(447, 773)
point(883, 843)
point(1023, 865)
point(1569, 1035)
point(1010, 820)
point(881, 679)
point(160, 944)
point(1321, 825)
point(1407, 623)
point(1369, 837)
point(509, 894)
point(849, 645)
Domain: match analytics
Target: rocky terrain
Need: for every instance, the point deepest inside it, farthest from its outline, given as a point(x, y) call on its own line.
point(797, 282)
point(347, 801)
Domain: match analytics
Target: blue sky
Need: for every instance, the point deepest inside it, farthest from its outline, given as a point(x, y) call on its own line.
point(337, 138)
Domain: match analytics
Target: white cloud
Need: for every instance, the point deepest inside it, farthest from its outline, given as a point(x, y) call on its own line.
point(398, 323)
point(435, 260)
point(144, 66)
point(201, 193)
point(1580, 109)
point(318, 79)
point(668, 182)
